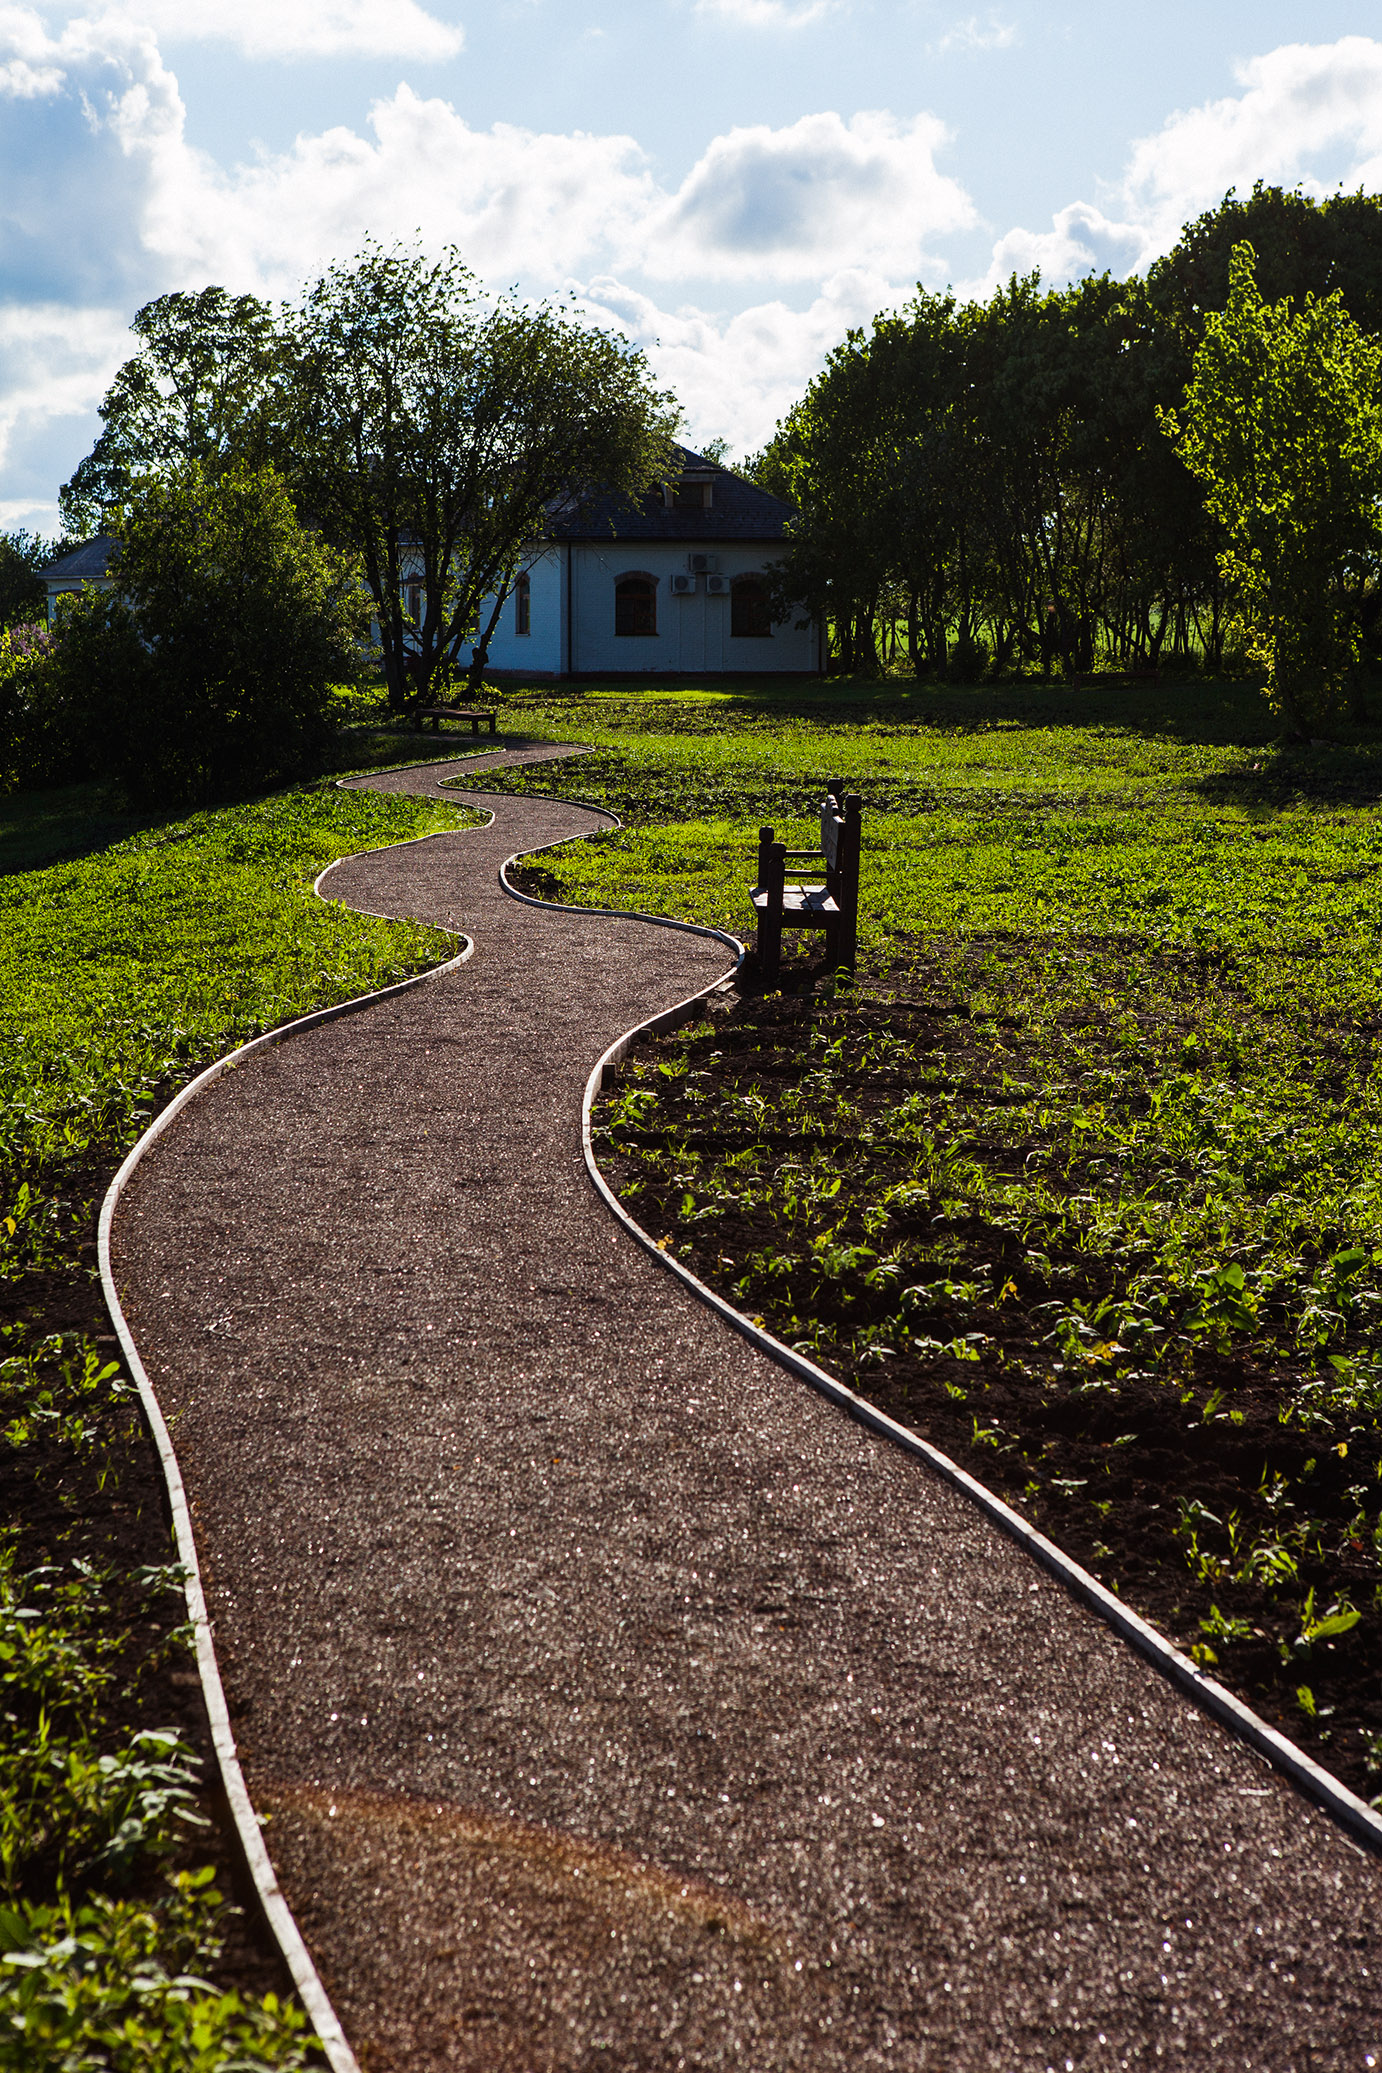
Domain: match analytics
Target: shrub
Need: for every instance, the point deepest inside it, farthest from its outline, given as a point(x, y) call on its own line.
point(211, 673)
point(36, 748)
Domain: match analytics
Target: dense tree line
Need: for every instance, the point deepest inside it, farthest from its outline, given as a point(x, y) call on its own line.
point(1006, 484)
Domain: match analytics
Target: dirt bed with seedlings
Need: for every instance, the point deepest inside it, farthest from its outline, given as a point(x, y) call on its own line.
point(875, 1172)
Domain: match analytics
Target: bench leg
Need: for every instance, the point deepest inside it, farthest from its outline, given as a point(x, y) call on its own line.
point(770, 946)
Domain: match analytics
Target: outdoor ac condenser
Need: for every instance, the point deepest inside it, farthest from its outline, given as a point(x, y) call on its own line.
point(683, 586)
point(702, 564)
point(717, 586)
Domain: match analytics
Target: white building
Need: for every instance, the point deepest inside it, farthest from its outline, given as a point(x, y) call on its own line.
point(670, 586)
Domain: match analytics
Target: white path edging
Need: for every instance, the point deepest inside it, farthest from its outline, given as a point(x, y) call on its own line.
point(1362, 1821)
point(277, 1913)
point(1353, 1813)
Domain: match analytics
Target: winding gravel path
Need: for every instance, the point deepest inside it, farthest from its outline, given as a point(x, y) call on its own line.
point(614, 1701)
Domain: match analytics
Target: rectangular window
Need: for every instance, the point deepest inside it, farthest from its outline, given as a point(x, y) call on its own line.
point(522, 606)
point(690, 496)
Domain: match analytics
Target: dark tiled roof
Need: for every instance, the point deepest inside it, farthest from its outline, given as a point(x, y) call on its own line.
point(738, 511)
point(85, 564)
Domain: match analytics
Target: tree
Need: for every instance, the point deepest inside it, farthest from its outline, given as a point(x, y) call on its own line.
point(194, 392)
point(1303, 247)
point(1282, 422)
point(214, 665)
point(23, 596)
point(438, 435)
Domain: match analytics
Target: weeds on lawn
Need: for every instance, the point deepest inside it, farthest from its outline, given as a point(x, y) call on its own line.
point(145, 952)
point(104, 1926)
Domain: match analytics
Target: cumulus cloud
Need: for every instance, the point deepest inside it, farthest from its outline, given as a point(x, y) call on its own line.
point(798, 202)
point(765, 14)
point(301, 28)
point(1308, 114)
point(738, 375)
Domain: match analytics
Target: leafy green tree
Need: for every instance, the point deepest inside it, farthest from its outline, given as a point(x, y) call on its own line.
point(1282, 422)
point(438, 434)
point(211, 673)
point(1303, 247)
point(23, 596)
point(195, 391)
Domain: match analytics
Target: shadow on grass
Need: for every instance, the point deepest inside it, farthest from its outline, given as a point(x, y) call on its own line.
point(1210, 711)
point(1325, 773)
point(55, 827)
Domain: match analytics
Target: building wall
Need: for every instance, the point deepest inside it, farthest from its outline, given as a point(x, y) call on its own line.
point(540, 649)
point(693, 636)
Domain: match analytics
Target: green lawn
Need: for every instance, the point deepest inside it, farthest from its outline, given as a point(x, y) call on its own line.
point(143, 951)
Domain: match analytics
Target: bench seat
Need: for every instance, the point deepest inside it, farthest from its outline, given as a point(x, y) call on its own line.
point(437, 713)
point(803, 906)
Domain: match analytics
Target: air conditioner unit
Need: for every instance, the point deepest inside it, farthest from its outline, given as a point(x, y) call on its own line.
point(683, 586)
point(702, 564)
point(717, 586)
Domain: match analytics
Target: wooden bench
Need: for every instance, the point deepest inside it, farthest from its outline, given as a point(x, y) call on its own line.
point(833, 906)
point(437, 713)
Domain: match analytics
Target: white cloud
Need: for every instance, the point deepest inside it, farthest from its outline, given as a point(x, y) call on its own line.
point(765, 14)
point(738, 375)
point(301, 28)
point(1300, 104)
point(803, 201)
point(972, 34)
point(1308, 114)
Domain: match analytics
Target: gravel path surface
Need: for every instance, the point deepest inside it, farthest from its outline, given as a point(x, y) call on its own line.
point(615, 1702)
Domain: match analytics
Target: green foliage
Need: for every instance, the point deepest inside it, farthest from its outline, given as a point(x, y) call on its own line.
point(195, 391)
point(107, 1986)
point(35, 748)
point(434, 431)
point(1283, 424)
point(23, 597)
point(213, 672)
point(1303, 247)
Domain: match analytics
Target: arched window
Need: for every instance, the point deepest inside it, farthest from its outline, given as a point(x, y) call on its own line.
point(522, 605)
point(635, 605)
point(749, 616)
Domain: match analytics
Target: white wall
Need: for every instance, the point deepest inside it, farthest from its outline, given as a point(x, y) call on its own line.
point(540, 649)
point(693, 636)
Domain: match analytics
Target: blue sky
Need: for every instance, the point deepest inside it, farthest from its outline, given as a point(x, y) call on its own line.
point(733, 182)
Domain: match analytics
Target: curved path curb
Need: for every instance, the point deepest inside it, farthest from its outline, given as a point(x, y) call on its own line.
point(249, 1836)
point(745, 1740)
point(1361, 1820)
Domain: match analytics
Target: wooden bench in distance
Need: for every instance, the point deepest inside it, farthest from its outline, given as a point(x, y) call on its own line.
point(437, 713)
point(833, 907)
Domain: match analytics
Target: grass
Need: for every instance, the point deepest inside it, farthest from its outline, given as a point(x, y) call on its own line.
point(131, 953)
point(1085, 1177)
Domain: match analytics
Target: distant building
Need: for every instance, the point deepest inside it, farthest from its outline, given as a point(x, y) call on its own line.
point(671, 585)
point(89, 563)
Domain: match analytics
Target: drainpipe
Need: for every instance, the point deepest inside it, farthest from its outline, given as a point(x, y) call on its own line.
point(568, 616)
